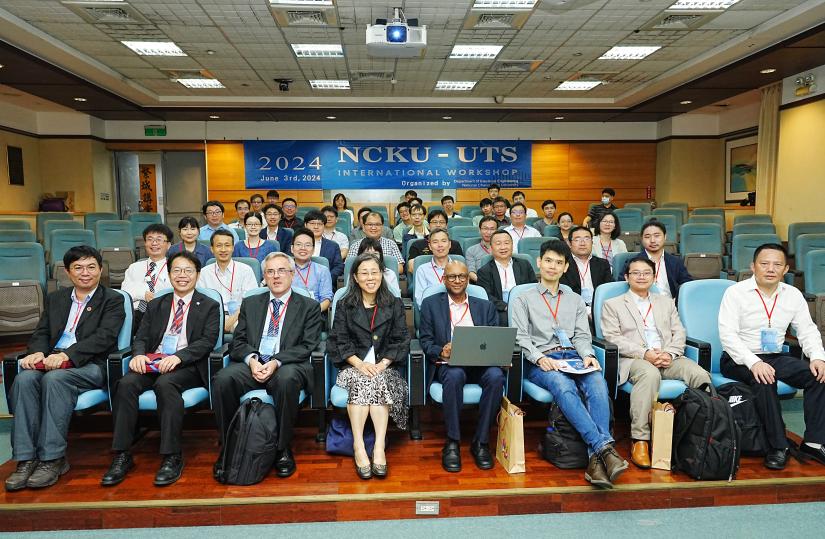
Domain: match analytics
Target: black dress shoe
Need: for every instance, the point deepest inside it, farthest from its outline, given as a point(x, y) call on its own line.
point(285, 463)
point(483, 457)
point(451, 456)
point(217, 470)
point(121, 465)
point(776, 459)
point(170, 470)
point(816, 454)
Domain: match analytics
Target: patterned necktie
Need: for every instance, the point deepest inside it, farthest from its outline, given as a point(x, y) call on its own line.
point(177, 321)
point(274, 325)
point(150, 282)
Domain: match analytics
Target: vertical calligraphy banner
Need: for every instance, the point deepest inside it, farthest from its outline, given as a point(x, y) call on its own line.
point(148, 188)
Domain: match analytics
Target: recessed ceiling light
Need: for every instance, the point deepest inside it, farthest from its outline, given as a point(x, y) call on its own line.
point(455, 85)
point(331, 117)
point(629, 52)
point(768, 70)
point(80, 99)
point(511, 5)
point(685, 102)
point(210, 52)
point(475, 52)
point(559, 117)
point(213, 116)
point(578, 85)
point(709, 5)
point(154, 48)
point(309, 50)
point(318, 3)
point(2, 66)
point(329, 84)
point(446, 117)
point(200, 83)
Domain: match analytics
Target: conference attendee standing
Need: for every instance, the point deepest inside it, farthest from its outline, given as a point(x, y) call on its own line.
point(314, 222)
point(276, 333)
point(144, 277)
point(607, 244)
point(169, 355)
point(754, 318)
point(549, 209)
point(500, 207)
point(671, 272)
point(586, 272)
point(651, 341)
point(241, 209)
point(518, 229)
point(311, 276)
point(213, 212)
point(501, 274)
point(440, 315)
point(369, 343)
point(333, 234)
point(290, 219)
point(606, 205)
point(66, 356)
point(476, 253)
point(229, 278)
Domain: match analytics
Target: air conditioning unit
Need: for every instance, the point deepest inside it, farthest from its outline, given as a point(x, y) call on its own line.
point(396, 38)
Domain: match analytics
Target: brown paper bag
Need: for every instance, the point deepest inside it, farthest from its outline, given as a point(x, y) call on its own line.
point(510, 441)
point(662, 434)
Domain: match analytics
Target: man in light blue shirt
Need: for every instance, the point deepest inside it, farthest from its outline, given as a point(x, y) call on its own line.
point(213, 212)
point(310, 275)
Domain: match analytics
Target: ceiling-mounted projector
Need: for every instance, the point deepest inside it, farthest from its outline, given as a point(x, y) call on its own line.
point(397, 38)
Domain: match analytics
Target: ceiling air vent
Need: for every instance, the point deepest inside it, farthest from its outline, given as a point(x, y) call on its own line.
point(494, 20)
point(681, 21)
point(291, 13)
point(373, 76)
point(103, 12)
point(491, 15)
point(516, 66)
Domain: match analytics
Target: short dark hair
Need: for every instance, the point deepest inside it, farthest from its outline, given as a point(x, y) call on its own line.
point(368, 242)
point(241, 201)
point(609, 190)
point(518, 204)
point(411, 192)
point(273, 193)
point(330, 209)
point(271, 207)
point(485, 202)
point(287, 199)
point(644, 259)
point(416, 200)
point(576, 229)
point(188, 221)
point(257, 196)
point(562, 214)
point(557, 246)
point(487, 219)
point(517, 193)
point(303, 231)
point(501, 199)
point(81, 251)
point(371, 213)
point(436, 213)
point(158, 228)
point(653, 222)
point(212, 203)
point(400, 205)
point(314, 215)
point(500, 231)
point(417, 207)
point(221, 232)
point(439, 230)
point(257, 215)
point(183, 253)
point(548, 201)
point(617, 230)
point(771, 247)
point(362, 211)
point(447, 197)
point(493, 186)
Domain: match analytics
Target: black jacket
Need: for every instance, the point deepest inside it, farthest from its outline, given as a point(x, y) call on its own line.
point(489, 280)
point(599, 273)
point(350, 334)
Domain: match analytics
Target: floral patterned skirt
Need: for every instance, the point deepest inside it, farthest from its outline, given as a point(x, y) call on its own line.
point(387, 388)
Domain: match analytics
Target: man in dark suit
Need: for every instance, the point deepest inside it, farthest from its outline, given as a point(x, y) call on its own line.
point(66, 356)
point(585, 272)
point(276, 333)
point(315, 221)
point(498, 276)
point(671, 274)
point(170, 354)
point(440, 314)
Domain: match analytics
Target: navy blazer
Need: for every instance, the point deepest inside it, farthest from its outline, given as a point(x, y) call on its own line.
point(283, 237)
point(677, 273)
point(332, 252)
point(434, 327)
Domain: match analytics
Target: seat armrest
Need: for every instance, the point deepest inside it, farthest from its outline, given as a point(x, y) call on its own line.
point(218, 359)
point(11, 367)
point(116, 365)
point(317, 399)
point(698, 351)
point(810, 298)
point(415, 374)
point(607, 354)
point(514, 376)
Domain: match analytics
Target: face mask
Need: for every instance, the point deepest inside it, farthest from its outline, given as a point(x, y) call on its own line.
point(605, 200)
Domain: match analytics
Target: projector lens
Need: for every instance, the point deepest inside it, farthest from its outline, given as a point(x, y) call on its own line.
point(397, 34)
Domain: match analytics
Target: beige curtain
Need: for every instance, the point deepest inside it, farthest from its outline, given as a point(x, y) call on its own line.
point(768, 148)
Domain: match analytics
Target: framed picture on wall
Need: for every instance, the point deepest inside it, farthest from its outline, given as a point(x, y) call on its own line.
point(740, 168)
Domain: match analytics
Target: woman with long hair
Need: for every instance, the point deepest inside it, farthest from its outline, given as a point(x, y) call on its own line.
point(606, 242)
point(339, 202)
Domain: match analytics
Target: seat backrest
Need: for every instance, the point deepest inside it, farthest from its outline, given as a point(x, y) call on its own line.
point(467, 211)
point(699, 312)
point(115, 233)
point(15, 224)
point(61, 240)
point(671, 223)
point(241, 233)
point(680, 205)
point(815, 272)
point(743, 247)
point(714, 219)
point(23, 261)
point(17, 235)
point(644, 207)
point(303, 210)
point(140, 220)
point(213, 294)
point(552, 231)
point(344, 225)
point(124, 336)
point(630, 219)
point(458, 233)
point(794, 231)
point(752, 218)
point(321, 260)
point(456, 222)
point(603, 293)
point(466, 243)
point(676, 212)
point(531, 246)
point(383, 211)
point(90, 219)
point(60, 224)
point(753, 228)
point(44, 216)
point(709, 211)
point(252, 263)
point(700, 238)
point(390, 263)
point(805, 243)
point(620, 261)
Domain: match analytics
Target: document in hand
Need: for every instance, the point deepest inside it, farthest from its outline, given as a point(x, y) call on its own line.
point(575, 366)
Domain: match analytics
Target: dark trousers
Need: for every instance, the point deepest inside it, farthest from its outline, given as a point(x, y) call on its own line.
point(491, 380)
point(794, 372)
point(168, 389)
point(284, 386)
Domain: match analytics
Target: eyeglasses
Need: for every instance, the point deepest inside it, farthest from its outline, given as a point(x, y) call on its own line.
point(368, 274)
point(156, 240)
point(517, 212)
point(456, 277)
point(253, 225)
point(303, 245)
point(489, 229)
point(280, 272)
point(583, 239)
point(373, 224)
point(289, 206)
point(214, 212)
point(272, 214)
point(313, 223)
point(90, 268)
point(637, 274)
point(182, 271)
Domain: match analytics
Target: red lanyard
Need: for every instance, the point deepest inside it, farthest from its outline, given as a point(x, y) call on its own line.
point(157, 275)
point(558, 301)
point(440, 279)
point(276, 321)
point(466, 310)
point(586, 269)
point(309, 272)
point(80, 305)
point(644, 318)
point(765, 305)
point(231, 281)
point(505, 275)
point(523, 230)
point(609, 250)
point(254, 254)
point(658, 264)
point(374, 312)
point(486, 250)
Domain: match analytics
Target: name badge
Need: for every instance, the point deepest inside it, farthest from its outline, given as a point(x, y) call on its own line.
point(652, 338)
point(66, 340)
point(268, 344)
point(587, 295)
point(370, 357)
point(233, 305)
point(169, 345)
point(506, 296)
point(561, 335)
point(768, 341)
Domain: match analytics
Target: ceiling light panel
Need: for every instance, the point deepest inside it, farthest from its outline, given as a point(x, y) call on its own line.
point(200, 83)
point(154, 48)
point(303, 3)
point(308, 50)
point(475, 52)
point(329, 84)
point(510, 5)
point(578, 85)
point(455, 85)
point(629, 52)
point(709, 5)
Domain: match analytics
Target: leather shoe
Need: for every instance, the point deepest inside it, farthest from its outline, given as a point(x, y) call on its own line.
point(120, 466)
point(170, 470)
point(364, 472)
point(816, 454)
point(47, 473)
point(614, 465)
point(217, 470)
point(481, 454)
point(451, 457)
point(285, 463)
point(18, 478)
point(776, 459)
point(596, 474)
point(379, 471)
point(640, 454)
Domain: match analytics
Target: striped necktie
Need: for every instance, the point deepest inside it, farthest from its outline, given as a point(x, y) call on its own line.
point(177, 321)
point(274, 325)
point(150, 282)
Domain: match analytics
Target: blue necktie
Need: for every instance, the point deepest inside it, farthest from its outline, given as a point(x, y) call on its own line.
point(274, 325)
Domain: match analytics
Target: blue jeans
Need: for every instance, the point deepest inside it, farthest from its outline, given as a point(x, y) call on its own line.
point(591, 417)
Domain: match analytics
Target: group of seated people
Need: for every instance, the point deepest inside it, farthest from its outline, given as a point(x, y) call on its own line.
point(275, 331)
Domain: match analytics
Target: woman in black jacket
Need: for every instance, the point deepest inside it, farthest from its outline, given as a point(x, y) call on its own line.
point(369, 343)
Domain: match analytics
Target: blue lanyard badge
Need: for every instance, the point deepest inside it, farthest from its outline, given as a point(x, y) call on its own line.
point(169, 345)
point(561, 335)
point(769, 341)
point(268, 345)
point(587, 295)
point(233, 305)
point(66, 340)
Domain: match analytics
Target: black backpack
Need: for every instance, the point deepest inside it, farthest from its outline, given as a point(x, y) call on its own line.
point(248, 452)
point(706, 438)
point(562, 444)
point(741, 399)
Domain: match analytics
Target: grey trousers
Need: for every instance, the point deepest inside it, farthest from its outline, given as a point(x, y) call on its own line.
point(646, 379)
point(42, 403)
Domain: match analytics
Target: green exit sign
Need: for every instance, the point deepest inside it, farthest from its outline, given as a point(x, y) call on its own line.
point(154, 130)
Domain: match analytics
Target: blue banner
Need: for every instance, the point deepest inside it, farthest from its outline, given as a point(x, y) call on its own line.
point(381, 164)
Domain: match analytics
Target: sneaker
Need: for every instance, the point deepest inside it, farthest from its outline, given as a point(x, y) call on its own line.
point(47, 473)
point(17, 480)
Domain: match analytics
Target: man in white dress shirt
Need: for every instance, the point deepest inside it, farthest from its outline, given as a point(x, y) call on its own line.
point(146, 276)
point(518, 229)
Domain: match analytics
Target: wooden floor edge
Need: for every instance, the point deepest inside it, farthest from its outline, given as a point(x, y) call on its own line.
point(401, 496)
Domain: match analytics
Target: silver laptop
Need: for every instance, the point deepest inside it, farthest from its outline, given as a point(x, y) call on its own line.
point(482, 346)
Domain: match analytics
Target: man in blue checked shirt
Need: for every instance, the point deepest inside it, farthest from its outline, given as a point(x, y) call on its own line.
point(309, 275)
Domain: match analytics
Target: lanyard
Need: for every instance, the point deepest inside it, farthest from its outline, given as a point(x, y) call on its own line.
point(523, 230)
point(80, 305)
point(658, 264)
point(157, 275)
point(609, 250)
point(254, 254)
point(374, 312)
point(440, 279)
point(504, 287)
point(582, 276)
point(553, 313)
point(644, 318)
point(765, 305)
point(231, 281)
point(183, 315)
point(486, 250)
point(309, 272)
point(466, 310)
point(277, 321)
